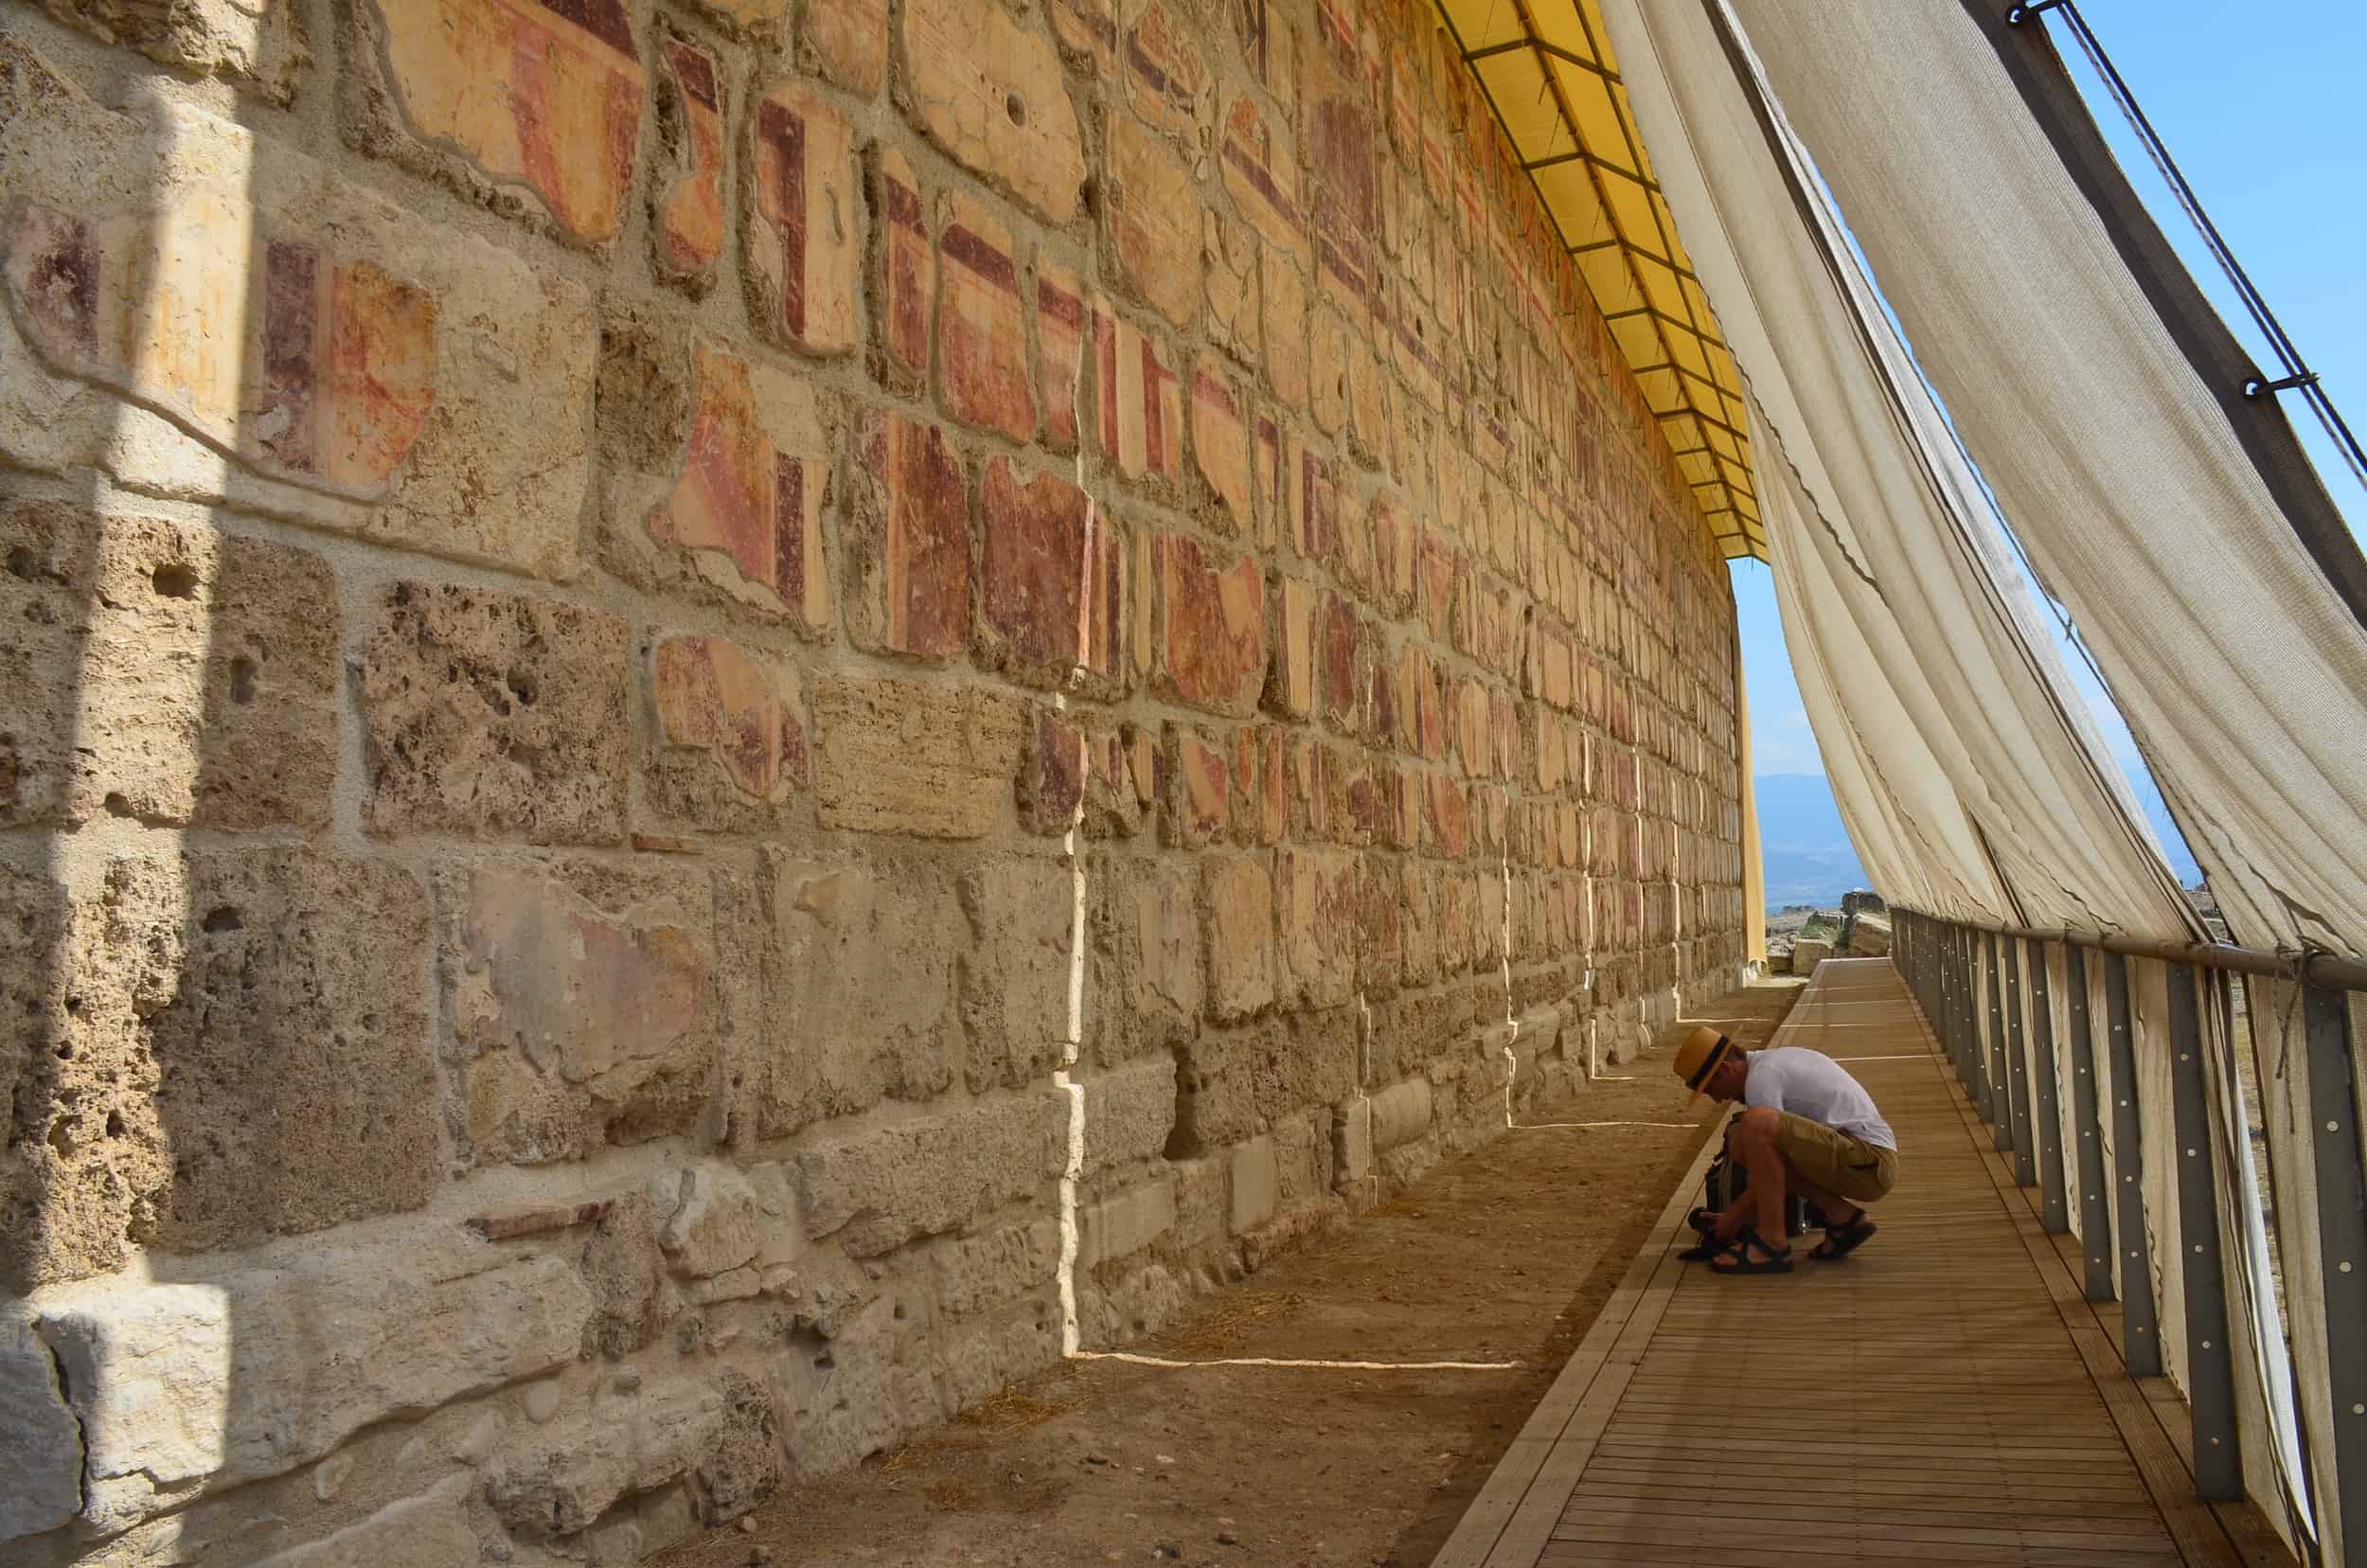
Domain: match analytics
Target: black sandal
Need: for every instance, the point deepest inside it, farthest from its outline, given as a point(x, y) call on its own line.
point(1843, 1239)
point(1778, 1259)
point(1704, 1220)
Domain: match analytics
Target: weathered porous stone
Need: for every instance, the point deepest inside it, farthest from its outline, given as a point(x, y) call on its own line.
point(1257, 1185)
point(1129, 1114)
point(1124, 1224)
point(41, 1447)
point(161, 672)
point(860, 986)
point(977, 1274)
point(1015, 970)
point(493, 714)
point(1145, 989)
point(428, 1531)
point(1233, 1082)
point(874, 1191)
point(628, 1443)
point(587, 1005)
point(1236, 911)
point(203, 1386)
point(898, 756)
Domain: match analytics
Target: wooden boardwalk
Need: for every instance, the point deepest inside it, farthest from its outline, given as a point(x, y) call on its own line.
point(1944, 1396)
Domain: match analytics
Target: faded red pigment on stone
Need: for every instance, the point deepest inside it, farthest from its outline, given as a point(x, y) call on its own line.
point(1141, 401)
point(981, 332)
point(922, 539)
point(1339, 663)
point(909, 269)
point(1053, 785)
point(1262, 176)
point(1167, 79)
point(850, 38)
point(713, 696)
point(1059, 349)
point(1216, 627)
point(549, 92)
point(1200, 807)
point(1221, 441)
point(1052, 574)
point(690, 214)
point(738, 494)
point(804, 245)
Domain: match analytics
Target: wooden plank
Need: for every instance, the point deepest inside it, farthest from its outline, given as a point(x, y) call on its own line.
point(1942, 1397)
point(1473, 1542)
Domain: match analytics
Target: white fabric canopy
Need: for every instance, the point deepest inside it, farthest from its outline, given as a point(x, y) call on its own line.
point(2242, 672)
point(1999, 801)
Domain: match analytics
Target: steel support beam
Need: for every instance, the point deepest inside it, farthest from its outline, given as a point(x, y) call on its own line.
point(2095, 1194)
point(2334, 1107)
point(2017, 1066)
point(2210, 1362)
point(2141, 1340)
point(2055, 1213)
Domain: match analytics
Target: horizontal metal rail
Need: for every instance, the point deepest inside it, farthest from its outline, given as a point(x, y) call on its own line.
point(2331, 969)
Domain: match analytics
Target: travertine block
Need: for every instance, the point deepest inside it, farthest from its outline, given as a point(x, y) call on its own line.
point(876, 1190)
point(1236, 911)
point(897, 756)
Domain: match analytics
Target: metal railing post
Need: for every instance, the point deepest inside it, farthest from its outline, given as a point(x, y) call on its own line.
point(2095, 1219)
point(2055, 1213)
point(2141, 1343)
point(2017, 1066)
point(1996, 1071)
point(2334, 1106)
point(2210, 1365)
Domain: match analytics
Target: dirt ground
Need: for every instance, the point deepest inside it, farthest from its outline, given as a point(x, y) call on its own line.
point(1504, 1254)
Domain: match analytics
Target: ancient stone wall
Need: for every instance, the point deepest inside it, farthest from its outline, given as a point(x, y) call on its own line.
point(717, 718)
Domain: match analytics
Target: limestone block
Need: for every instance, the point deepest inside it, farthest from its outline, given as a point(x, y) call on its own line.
point(203, 1386)
point(1221, 442)
point(1051, 595)
point(988, 89)
point(1200, 789)
point(496, 714)
point(723, 471)
point(1214, 611)
point(860, 999)
point(497, 98)
point(976, 1273)
point(741, 1466)
point(1230, 254)
point(1233, 1082)
point(849, 41)
point(853, 1395)
point(1124, 1224)
point(1261, 175)
point(163, 671)
point(1051, 778)
point(1144, 988)
point(1129, 1114)
point(1302, 1145)
point(724, 1219)
point(1138, 398)
point(381, 375)
point(1257, 1185)
point(802, 229)
point(730, 734)
point(897, 756)
point(1352, 1143)
point(1153, 215)
point(1290, 681)
point(977, 1361)
point(1203, 1196)
point(1236, 911)
point(629, 1443)
point(1015, 970)
point(982, 321)
point(262, 46)
point(1401, 1113)
point(1059, 349)
point(427, 1531)
point(41, 1448)
point(1168, 81)
point(904, 262)
point(908, 566)
point(1316, 899)
point(1808, 952)
point(587, 1003)
point(687, 205)
point(878, 1190)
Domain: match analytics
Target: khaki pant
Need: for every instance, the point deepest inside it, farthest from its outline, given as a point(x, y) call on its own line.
point(1843, 1165)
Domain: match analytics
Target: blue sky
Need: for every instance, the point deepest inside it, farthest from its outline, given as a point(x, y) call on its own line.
point(2261, 106)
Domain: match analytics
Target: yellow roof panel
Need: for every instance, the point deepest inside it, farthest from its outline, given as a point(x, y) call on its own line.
point(1546, 68)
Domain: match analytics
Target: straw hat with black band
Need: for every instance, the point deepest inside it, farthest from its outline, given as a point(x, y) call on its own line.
point(1699, 1055)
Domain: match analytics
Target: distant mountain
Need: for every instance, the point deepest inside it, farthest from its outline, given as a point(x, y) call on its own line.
point(1806, 850)
point(1808, 853)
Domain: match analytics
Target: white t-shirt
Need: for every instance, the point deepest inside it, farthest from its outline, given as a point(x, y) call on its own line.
point(1811, 1084)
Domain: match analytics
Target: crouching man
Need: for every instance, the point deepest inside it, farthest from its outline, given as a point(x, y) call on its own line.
point(1808, 1127)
